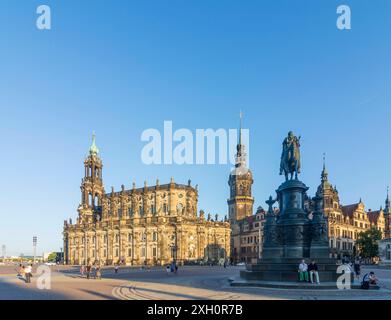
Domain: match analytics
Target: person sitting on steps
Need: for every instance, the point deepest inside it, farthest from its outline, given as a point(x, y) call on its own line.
point(313, 269)
point(303, 271)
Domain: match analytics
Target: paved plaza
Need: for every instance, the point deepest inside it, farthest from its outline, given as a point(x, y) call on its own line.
point(191, 283)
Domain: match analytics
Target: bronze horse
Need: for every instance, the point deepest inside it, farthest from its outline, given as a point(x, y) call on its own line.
point(290, 158)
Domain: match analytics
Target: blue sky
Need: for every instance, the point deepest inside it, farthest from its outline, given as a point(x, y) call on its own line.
point(120, 67)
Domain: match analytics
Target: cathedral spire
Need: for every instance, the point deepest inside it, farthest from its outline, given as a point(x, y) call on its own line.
point(94, 149)
point(388, 203)
point(324, 171)
point(240, 127)
point(241, 156)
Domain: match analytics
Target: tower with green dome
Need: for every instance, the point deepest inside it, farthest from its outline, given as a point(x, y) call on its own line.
point(92, 189)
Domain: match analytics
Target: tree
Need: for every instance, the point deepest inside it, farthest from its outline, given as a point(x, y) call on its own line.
point(367, 243)
point(52, 257)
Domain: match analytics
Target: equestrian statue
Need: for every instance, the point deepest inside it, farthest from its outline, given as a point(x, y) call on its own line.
point(290, 158)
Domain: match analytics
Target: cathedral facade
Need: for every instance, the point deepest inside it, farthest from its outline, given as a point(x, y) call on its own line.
point(153, 225)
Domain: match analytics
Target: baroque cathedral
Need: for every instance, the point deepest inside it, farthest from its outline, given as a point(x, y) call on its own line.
point(153, 225)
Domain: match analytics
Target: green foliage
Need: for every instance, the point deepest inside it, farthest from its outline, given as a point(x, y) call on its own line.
point(52, 257)
point(367, 243)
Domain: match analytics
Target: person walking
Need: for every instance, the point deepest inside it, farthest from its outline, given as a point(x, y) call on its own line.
point(313, 270)
point(176, 268)
point(28, 271)
point(168, 269)
point(82, 271)
point(303, 271)
point(20, 271)
point(98, 273)
point(116, 269)
point(357, 268)
point(88, 271)
point(93, 271)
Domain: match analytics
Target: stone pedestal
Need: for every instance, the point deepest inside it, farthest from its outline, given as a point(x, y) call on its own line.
point(291, 236)
point(287, 235)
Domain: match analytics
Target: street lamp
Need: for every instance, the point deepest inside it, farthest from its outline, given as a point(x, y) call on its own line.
point(3, 251)
point(35, 239)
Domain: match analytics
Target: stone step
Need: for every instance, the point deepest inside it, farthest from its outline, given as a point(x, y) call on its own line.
point(292, 285)
point(285, 275)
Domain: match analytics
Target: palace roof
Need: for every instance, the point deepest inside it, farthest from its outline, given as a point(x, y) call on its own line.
point(349, 209)
point(373, 216)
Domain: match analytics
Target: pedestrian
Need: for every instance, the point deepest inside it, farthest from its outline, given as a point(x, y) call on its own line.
point(176, 268)
point(313, 269)
point(28, 271)
point(116, 269)
point(168, 269)
point(98, 273)
point(88, 271)
point(357, 268)
point(20, 270)
point(82, 271)
point(93, 270)
point(303, 271)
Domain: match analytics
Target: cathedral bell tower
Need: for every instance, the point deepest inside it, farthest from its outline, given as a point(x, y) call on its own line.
point(241, 202)
point(92, 189)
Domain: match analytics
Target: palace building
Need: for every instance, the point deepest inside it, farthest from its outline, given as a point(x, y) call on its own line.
point(345, 222)
point(153, 225)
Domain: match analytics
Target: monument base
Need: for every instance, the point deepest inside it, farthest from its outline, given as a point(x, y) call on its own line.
point(286, 270)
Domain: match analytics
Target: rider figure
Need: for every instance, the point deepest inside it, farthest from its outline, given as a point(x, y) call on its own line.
point(290, 158)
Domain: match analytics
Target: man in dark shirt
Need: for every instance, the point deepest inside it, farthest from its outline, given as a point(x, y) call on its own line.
point(313, 270)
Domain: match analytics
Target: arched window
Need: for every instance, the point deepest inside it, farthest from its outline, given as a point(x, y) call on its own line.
point(96, 200)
